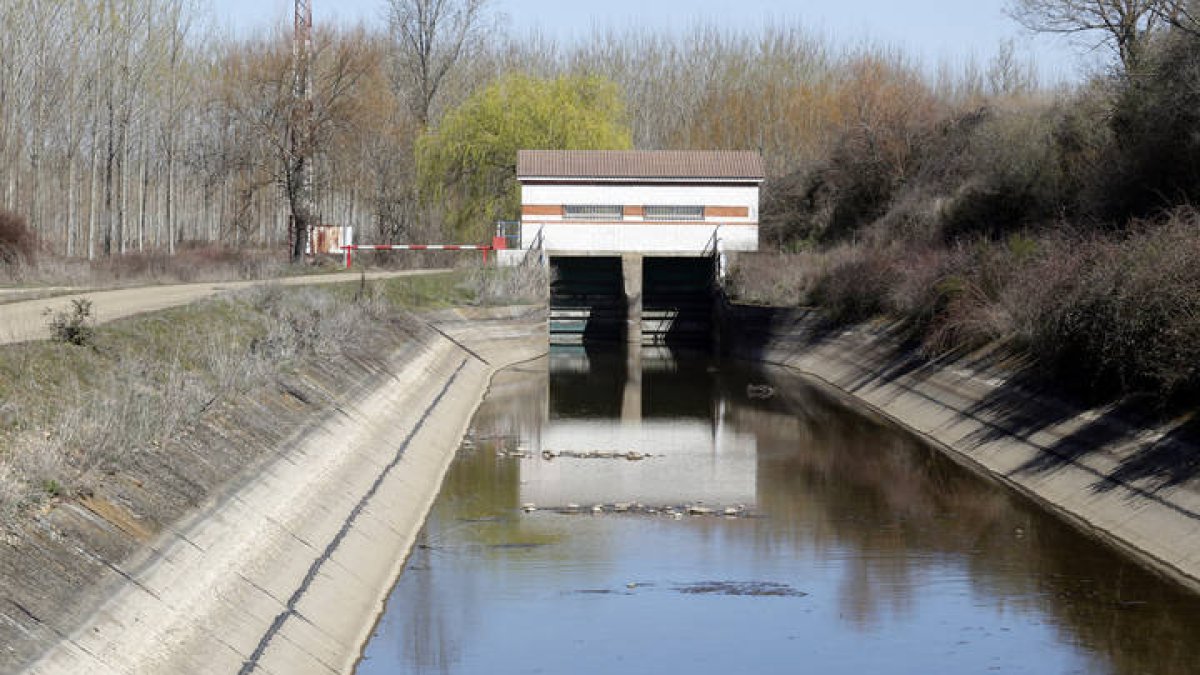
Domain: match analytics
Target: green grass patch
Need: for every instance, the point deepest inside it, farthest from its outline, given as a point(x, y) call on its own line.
point(415, 293)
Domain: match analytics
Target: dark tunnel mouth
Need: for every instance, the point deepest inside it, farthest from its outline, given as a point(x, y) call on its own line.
point(588, 302)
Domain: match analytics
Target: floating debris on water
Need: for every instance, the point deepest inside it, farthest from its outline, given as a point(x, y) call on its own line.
point(761, 392)
point(517, 546)
point(753, 589)
point(628, 455)
point(676, 512)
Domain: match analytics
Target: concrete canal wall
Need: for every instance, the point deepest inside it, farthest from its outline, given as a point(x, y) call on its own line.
point(1119, 479)
point(286, 568)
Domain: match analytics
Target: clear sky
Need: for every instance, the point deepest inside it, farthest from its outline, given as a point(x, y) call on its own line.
point(931, 30)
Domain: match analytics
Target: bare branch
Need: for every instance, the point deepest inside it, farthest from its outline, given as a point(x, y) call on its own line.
point(431, 37)
point(1126, 25)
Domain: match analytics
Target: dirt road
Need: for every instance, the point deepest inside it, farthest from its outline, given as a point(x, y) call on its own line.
point(25, 321)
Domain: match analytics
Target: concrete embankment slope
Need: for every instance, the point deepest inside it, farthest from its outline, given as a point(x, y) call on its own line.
point(1134, 485)
point(286, 570)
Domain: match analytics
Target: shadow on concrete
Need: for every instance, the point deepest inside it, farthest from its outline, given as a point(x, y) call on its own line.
point(1169, 462)
point(1025, 402)
point(1029, 405)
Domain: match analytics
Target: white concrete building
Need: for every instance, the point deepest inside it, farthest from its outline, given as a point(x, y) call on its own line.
point(660, 203)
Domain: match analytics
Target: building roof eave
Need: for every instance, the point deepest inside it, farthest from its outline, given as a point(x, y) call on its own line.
point(639, 180)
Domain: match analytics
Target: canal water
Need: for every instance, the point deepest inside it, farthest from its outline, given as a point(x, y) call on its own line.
point(665, 513)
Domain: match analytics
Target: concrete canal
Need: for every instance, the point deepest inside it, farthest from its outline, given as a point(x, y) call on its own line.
point(685, 515)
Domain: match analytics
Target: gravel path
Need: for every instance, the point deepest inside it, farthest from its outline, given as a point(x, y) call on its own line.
point(25, 321)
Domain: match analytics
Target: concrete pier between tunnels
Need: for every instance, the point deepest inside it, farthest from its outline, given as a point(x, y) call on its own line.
point(631, 298)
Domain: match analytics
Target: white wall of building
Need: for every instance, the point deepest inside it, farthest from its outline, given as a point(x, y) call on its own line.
point(602, 239)
point(632, 233)
point(643, 195)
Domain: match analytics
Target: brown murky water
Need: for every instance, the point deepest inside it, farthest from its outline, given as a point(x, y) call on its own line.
point(584, 529)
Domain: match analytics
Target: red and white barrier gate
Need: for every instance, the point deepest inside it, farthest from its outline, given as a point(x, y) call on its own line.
point(349, 250)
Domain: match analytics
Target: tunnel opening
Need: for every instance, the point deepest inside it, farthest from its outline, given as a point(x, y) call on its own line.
point(587, 300)
point(677, 301)
point(646, 300)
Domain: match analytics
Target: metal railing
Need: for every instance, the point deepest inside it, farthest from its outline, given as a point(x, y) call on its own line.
point(348, 251)
point(536, 249)
point(712, 251)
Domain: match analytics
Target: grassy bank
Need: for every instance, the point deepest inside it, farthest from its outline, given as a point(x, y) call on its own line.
point(73, 414)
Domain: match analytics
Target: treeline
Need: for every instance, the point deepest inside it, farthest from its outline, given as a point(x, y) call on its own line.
point(129, 125)
point(132, 125)
point(1061, 226)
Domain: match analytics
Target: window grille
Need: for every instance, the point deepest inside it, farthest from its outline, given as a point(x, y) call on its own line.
point(674, 212)
point(593, 212)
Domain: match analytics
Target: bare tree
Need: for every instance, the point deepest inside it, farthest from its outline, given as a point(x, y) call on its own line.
point(1181, 14)
point(1008, 75)
point(1126, 25)
point(430, 38)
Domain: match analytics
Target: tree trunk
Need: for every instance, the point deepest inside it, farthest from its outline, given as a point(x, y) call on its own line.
point(170, 199)
point(109, 159)
point(93, 198)
point(143, 197)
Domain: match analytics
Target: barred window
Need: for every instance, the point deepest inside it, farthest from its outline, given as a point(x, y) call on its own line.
point(593, 212)
point(674, 212)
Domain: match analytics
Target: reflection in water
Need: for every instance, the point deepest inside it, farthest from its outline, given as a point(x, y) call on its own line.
point(855, 548)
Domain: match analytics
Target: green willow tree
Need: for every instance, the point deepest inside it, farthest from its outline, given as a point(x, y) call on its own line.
point(469, 163)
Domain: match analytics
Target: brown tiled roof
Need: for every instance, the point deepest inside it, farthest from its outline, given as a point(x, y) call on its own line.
point(640, 164)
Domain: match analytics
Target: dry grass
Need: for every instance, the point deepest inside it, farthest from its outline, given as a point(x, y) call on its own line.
point(191, 264)
point(196, 264)
point(70, 411)
point(522, 284)
point(780, 279)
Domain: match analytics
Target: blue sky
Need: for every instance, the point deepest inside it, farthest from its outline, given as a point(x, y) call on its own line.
point(931, 30)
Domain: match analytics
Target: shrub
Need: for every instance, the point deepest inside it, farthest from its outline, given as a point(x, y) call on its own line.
point(12, 492)
point(780, 279)
point(787, 210)
point(74, 326)
point(856, 284)
point(526, 283)
point(18, 244)
point(923, 281)
point(1129, 322)
point(1011, 177)
point(1155, 160)
point(192, 263)
point(970, 303)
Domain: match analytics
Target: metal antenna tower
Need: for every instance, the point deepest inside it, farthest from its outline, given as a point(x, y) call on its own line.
point(303, 36)
point(302, 140)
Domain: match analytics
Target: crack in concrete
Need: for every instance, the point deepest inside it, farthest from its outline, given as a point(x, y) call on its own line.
point(290, 610)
